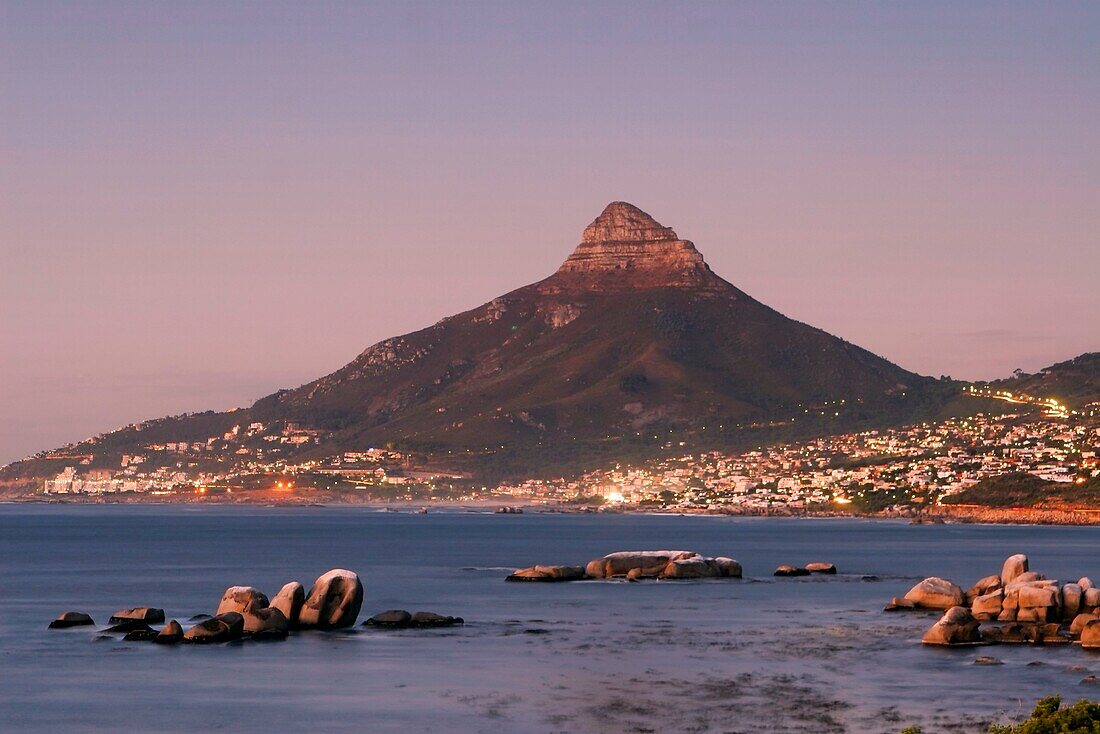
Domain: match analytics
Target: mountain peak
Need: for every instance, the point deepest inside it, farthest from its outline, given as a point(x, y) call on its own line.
point(623, 222)
point(625, 249)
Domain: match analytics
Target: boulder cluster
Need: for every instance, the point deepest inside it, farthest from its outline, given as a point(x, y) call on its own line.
point(637, 565)
point(1017, 605)
point(333, 602)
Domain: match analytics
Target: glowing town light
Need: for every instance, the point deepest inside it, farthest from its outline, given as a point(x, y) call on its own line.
point(615, 497)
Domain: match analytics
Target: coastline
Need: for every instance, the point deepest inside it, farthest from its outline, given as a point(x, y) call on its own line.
point(950, 514)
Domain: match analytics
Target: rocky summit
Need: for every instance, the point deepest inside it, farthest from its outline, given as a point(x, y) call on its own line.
point(633, 336)
point(625, 248)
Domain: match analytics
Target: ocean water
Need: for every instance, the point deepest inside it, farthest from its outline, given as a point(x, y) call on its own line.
point(759, 654)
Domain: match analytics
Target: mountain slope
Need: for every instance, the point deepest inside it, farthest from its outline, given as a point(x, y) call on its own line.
point(633, 329)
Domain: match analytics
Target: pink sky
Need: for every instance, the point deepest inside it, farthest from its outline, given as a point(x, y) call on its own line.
point(202, 204)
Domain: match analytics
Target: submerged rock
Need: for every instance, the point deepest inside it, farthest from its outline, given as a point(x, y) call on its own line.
point(390, 618)
point(143, 635)
point(549, 574)
point(333, 602)
point(71, 619)
point(431, 619)
point(400, 619)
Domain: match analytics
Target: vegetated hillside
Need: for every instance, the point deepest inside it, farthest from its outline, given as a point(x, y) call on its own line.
point(1075, 382)
point(1027, 490)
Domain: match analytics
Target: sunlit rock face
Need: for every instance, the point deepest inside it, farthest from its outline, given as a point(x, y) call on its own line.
point(626, 249)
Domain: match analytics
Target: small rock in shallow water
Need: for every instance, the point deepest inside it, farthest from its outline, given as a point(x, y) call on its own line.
point(224, 628)
point(987, 660)
point(149, 615)
point(71, 619)
point(1090, 680)
point(390, 618)
point(786, 570)
point(1035, 663)
point(171, 634)
point(431, 619)
point(267, 623)
point(141, 635)
point(820, 567)
point(200, 617)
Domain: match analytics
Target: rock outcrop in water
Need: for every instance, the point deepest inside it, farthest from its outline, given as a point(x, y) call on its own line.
point(149, 615)
point(171, 634)
point(223, 628)
point(1025, 605)
point(956, 627)
point(241, 599)
point(289, 601)
point(333, 602)
point(549, 574)
point(244, 612)
point(71, 619)
point(636, 565)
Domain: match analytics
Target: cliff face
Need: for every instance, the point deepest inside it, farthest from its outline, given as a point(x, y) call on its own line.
point(625, 249)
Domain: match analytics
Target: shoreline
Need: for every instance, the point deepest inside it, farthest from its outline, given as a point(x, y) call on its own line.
point(968, 514)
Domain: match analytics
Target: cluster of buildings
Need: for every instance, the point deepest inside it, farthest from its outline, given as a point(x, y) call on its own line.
point(917, 464)
point(872, 469)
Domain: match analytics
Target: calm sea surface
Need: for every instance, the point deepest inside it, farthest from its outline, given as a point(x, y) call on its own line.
point(761, 654)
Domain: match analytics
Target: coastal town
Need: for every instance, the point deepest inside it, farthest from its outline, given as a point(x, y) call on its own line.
point(913, 466)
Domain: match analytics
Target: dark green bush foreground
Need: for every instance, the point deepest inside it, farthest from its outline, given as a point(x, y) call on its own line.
point(1049, 717)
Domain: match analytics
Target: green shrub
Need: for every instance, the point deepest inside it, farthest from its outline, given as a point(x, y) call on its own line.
point(1049, 717)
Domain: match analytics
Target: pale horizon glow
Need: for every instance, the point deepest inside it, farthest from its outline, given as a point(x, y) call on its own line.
point(204, 202)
